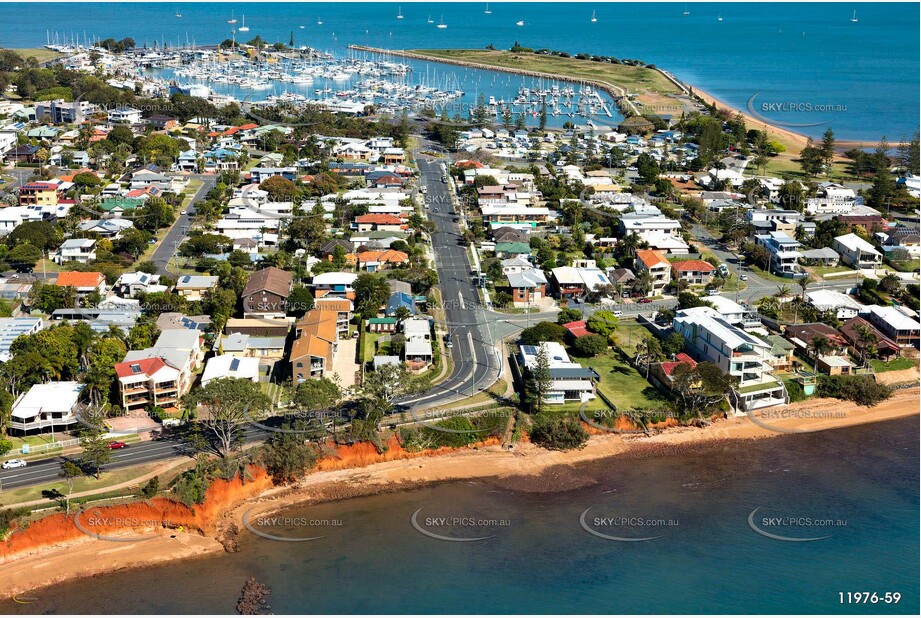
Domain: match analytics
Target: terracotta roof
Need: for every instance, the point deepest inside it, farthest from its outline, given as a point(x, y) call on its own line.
point(272, 279)
point(577, 328)
point(669, 367)
point(75, 279)
point(694, 266)
point(651, 257)
point(148, 366)
point(379, 219)
point(390, 255)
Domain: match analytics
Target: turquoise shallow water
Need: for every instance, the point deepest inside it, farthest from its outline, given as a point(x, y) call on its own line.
point(864, 76)
point(863, 482)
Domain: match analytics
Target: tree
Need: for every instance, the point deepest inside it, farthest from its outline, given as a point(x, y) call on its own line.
point(566, 316)
point(70, 472)
point(314, 395)
point(828, 150)
point(539, 380)
point(543, 331)
point(227, 405)
point(602, 323)
point(159, 149)
point(24, 257)
point(300, 301)
point(820, 346)
point(590, 345)
point(381, 389)
point(805, 282)
point(151, 488)
point(811, 159)
point(285, 454)
point(96, 453)
point(700, 387)
point(371, 291)
point(279, 188)
point(866, 338)
point(883, 187)
point(41, 234)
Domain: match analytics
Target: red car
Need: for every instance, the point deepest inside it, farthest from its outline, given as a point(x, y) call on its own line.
point(117, 445)
point(643, 301)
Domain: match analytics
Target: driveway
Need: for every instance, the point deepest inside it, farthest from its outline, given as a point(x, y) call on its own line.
point(344, 364)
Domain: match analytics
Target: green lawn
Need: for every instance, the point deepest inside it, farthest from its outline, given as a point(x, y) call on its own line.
point(107, 479)
point(623, 384)
point(628, 334)
point(39, 53)
point(769, 276)
point(880, 366)
point(830, 270)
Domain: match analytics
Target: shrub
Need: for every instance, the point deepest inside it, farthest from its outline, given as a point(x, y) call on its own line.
point(862, 390)
point(151, 488)
point(556, 433)
point(590, 345)
point(795, 391)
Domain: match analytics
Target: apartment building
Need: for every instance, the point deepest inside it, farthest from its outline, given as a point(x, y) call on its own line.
point(708, 337)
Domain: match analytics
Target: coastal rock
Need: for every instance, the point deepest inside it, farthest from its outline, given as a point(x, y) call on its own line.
point(253, 598)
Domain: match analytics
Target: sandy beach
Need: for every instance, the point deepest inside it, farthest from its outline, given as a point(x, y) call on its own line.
point(527, 463)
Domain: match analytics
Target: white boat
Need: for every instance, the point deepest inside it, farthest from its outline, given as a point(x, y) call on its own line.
point(178, 14)
point(520, 22)
point(719, 18)
point(442, 24)
point(301, 27)
point(244, 27)
point(232, 19)
point(430, 20)
point(686, 11)
point(487, 11)
point(594, 19)
point(400, 12)
point(319, 22)
point(854, 17)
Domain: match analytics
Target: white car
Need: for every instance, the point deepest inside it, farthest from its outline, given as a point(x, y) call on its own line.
point(9, 464)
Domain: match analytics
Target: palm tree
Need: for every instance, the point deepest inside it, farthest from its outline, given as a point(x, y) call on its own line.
point(783, 291)
point(865, 338)
point(820, 346)
point(804, 283)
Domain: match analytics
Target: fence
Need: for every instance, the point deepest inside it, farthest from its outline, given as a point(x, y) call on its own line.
point(29, 449)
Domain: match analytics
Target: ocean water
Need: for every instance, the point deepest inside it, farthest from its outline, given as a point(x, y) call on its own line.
point(796, 63)
point(857, 487)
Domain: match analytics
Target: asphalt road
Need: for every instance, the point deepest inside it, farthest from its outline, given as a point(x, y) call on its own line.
point(476, 362)
point(43, 471)
point(177, 233)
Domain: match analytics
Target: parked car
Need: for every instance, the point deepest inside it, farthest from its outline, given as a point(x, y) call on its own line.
point(448, 342)
point(713, 292)
point(9, 464)
point(618, 314)
point(643, 301)
point(117, 445)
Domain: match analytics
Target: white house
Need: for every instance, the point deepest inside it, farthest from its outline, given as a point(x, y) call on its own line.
point(124, 115)
point(856, 252)
point(230, 366)
point(569, 381)
point(832, 198)
point(843, 306)
point(49, 406)
point(76, 250)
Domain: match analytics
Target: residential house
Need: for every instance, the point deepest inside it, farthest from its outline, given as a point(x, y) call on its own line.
point(400, 300)
point(131, 284)
point(230, 366)
point(709, 337)
point(571, 283)
point(856, 252)
point(820, 257)
point(343, 309)
point(417, 350)
point(900, 328)
point(50, 406)
point(658, 267)
point(266, 293)
point(831, 198)
point(369, 222)
point(173, 319)
point(569, 381)
point(80, 250)
point(841, 305)
point(780, 356)
point(382, 325)
point(507, 250)
point(64, 112)
point(334, 285)
point(693, 272)
point(835, 361)
point(193, 287)
point(83, 282)
point(149, 382)
point(784, 252)
point(11, 328)
point(258, 327)
point(124, 115)
point(734, 313)
point(664, 373)
point(106, 228)
point(373, 261)
point(881, 346)
point(528, 287)
point(39, 194)
point(315, 345)
point(266, 349)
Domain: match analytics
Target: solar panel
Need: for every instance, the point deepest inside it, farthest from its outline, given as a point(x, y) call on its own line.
point(186, 279)
point(235, 364)
point(135, 369)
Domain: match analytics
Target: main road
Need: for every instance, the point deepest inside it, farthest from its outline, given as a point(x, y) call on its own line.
point(476, 359)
